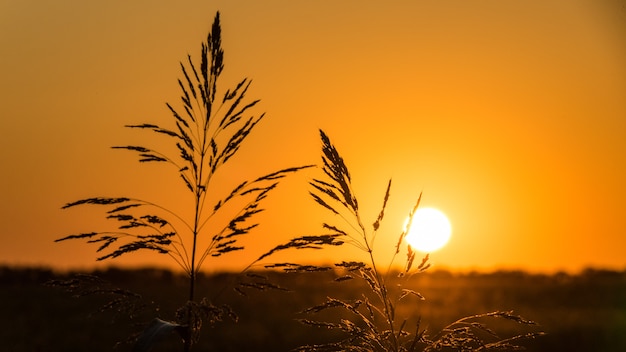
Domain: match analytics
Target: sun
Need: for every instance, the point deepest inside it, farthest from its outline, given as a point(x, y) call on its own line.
point(430, 230)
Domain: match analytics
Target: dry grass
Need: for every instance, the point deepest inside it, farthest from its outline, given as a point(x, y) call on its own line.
point(371, 322)
point(206, 132)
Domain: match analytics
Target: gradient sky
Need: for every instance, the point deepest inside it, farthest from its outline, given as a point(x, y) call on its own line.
point(509, 116)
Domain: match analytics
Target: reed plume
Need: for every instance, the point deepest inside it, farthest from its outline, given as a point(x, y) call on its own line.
point(207, 131)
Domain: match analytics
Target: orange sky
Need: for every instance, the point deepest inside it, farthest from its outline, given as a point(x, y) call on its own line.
point(510, 116)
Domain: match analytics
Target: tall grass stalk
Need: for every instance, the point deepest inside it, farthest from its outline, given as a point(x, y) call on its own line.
point(207, 130)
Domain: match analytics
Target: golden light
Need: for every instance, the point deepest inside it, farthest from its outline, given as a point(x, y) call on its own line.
point(430, 230)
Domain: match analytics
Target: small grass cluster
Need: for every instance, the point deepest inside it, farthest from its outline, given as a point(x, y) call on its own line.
point(372, 322)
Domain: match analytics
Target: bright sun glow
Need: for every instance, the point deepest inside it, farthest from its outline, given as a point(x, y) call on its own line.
point(429, 231)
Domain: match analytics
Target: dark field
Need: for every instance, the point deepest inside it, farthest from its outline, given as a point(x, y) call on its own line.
point(585, 312)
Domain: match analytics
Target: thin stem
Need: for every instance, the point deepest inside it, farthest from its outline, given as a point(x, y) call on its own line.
point(381, 285)
point(199, 194)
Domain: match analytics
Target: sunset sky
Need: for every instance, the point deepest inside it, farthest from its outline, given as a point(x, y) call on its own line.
point(509, 116)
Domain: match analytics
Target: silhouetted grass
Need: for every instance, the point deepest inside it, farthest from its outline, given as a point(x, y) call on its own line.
point(371, 321)
point(206, 131)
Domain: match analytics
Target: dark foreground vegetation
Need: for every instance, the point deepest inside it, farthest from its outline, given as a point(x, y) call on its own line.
point(585, 312)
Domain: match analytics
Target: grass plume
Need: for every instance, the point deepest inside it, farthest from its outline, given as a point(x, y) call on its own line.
point(372, 322)
point(207, 130)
